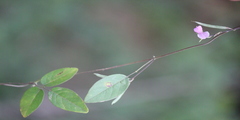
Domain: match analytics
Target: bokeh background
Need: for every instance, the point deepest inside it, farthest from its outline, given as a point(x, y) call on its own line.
point(37, 37)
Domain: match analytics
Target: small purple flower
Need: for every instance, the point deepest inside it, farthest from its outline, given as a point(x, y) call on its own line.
point(202, 35)
point(198, 29)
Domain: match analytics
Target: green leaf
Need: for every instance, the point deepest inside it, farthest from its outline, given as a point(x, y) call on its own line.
point(58, 76)
point(31, 100)
point(107, 88)
point(67, 100)
point(212, 26)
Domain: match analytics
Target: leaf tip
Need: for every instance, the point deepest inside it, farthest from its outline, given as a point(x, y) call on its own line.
point(23, 114)
point(100, 75)
point(85, 112)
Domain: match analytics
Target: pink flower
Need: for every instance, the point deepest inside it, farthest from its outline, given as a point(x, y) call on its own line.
point(198, 29)
point(202, 35)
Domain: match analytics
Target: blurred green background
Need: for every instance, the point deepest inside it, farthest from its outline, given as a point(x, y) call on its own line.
point(37, 37)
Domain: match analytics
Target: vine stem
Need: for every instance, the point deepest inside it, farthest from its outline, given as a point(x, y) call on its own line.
point(141, 69)
point(165, 55)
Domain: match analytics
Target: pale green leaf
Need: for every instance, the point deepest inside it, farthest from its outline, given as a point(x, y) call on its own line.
point(58, 76)
point(212, 26)
point(67, 99)
point(107, 88)
point(31, 100)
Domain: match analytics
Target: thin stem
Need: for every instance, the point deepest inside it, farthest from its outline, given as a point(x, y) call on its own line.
point(142, 68)
point(165, 55)
point(194, 46)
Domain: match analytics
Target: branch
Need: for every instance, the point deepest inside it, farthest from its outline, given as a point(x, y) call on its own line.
point(165, 55)
point(149, 63)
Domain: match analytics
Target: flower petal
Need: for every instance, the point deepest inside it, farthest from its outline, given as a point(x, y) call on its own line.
point(203, 35)
point(198, 29)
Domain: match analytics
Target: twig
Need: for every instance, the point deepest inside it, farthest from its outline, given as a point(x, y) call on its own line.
point(142, 68)
point(165, 55)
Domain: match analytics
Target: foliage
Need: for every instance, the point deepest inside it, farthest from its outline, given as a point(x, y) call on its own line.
point(86, 35)
point(61, 97)
point(107, 88)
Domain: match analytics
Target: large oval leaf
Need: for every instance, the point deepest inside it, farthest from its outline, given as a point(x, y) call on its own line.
point(31, 100)
point(107, 88)
point(67, 100)
point(58, 76)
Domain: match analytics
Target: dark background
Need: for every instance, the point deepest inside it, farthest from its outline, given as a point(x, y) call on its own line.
point(37, 37)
